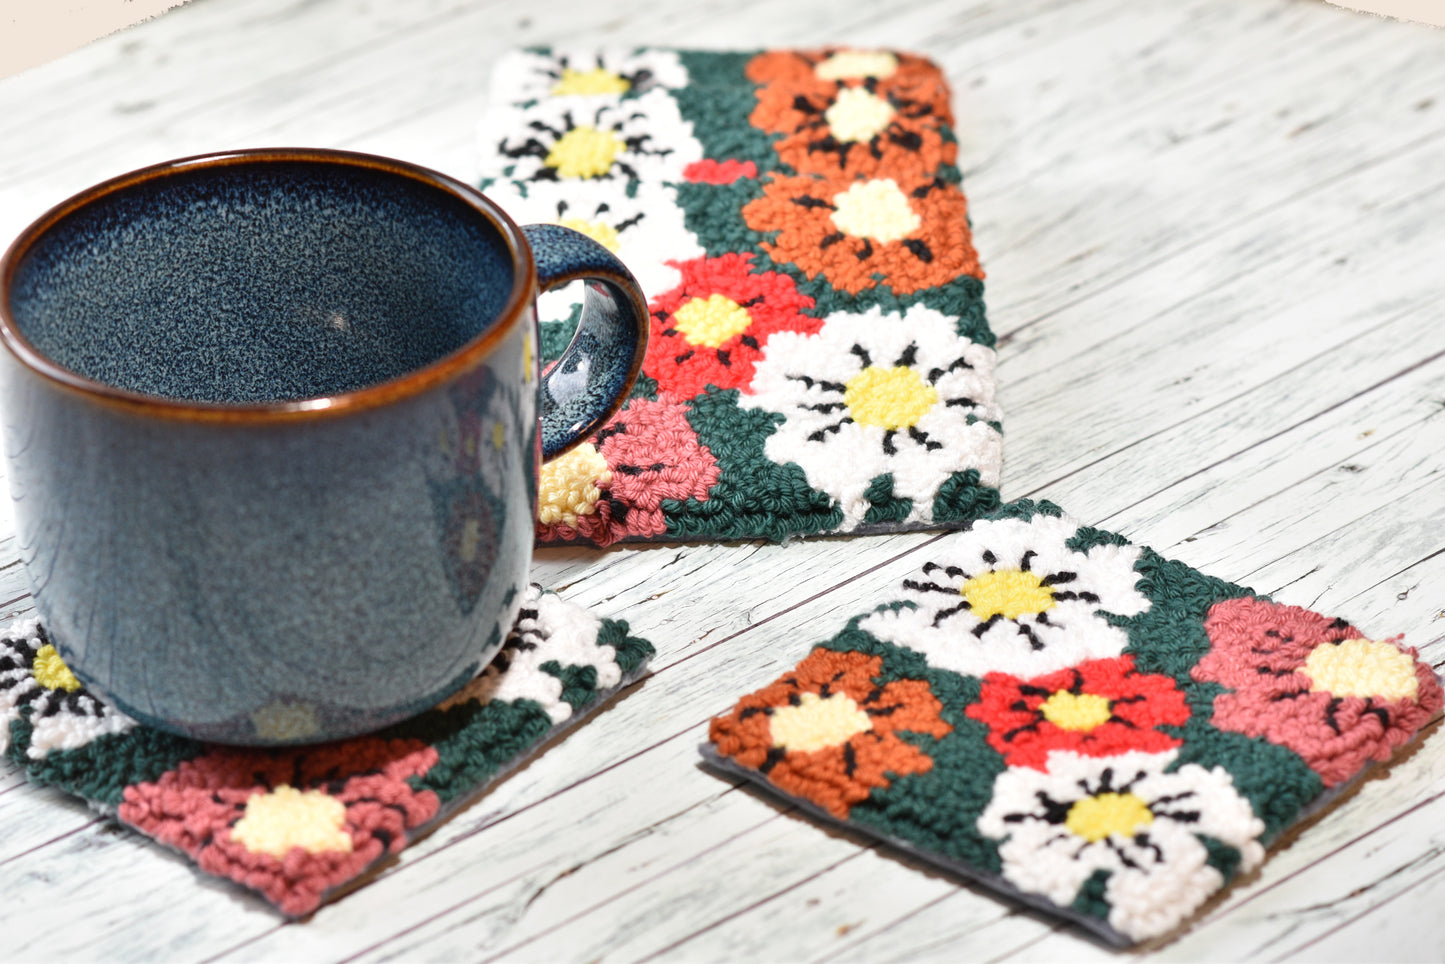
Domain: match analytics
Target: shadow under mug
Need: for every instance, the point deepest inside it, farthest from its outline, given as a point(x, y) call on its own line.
point(273, 423)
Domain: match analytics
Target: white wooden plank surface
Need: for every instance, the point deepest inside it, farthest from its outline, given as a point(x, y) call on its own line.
point(1213, 231)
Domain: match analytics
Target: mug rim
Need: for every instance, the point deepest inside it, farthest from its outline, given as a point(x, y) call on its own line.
point(439, 371)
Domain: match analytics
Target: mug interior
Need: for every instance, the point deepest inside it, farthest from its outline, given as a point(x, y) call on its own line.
point(261, 281)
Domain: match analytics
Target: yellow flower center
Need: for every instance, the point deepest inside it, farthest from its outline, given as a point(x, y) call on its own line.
point(285, 721)
point(876, 209)
point(891, 398)
point(568, 485)
point(286, 818)
point(470, 540)
point(1009, 593)
point(52, 673)
point(858, 115)
point(1360, 667)
point(599, 231)
point(585, 83)
point(818, 722)
point(857, 63)
point(585, 152)
point(711, 321)
point(1071, 711)
point(1095, 818)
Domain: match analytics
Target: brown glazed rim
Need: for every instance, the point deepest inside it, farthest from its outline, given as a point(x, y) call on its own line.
point(439, 372)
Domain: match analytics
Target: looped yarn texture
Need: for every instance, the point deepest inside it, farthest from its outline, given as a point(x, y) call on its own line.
point(819, 360)
point(1077, 723)
point(297, 823)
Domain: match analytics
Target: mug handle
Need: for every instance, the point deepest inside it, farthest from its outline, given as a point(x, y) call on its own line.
point(591, 380)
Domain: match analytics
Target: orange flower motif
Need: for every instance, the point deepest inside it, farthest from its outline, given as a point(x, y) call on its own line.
point(908, 233)
point(853, 111)
point(828, 733)
point(837, 129)
point(835, 65)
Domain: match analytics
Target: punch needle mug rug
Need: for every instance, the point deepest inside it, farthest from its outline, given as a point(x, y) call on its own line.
point(1077, 723)
point(819, 358)
point(297, 824)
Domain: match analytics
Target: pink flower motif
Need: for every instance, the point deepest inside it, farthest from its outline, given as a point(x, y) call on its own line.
point(292, 824)
point(653, 454)
point(1314, 685)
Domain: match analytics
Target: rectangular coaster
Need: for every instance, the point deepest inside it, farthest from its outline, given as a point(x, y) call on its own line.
point(819, 360)
point(1076, 722)
point(297, 823)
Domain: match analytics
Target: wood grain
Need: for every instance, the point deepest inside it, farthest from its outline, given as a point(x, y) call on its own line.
point(1213, 232)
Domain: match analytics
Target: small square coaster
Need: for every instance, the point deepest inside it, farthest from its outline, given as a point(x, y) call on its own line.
point(1075, 722)
point(297, 823)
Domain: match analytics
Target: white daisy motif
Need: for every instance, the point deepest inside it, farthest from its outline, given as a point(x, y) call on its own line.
point(564, 139)
point(646, 230)
point(527, 75)
point(1010, 596)
point(63, 716)
point(874, 394)
point(547, 630)
point(1126, 815)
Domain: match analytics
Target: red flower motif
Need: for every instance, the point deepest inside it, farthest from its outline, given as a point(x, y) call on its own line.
point(1098, 708)
point(1314, 685)
point(709, 171)
point(828, 733)
point(198, 806)
point(653, 454)
point(710, 329)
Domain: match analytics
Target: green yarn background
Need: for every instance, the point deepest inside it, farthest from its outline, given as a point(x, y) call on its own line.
point(473, 741)
point(756, 497)
point(713, 212)
point(102, 769)
point(937, 810)
point(1170, 639)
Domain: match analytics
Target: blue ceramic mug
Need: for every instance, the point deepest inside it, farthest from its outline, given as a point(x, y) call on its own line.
point(273, 423)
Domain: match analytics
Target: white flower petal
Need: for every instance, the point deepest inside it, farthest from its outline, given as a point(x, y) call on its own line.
point(1158, 870)
point(1041, 859)
point(71, 730)
point(651, 141)
point(1067, 629)
point(803, 378)
point(525, 75)
point(1146, 905)
point(60, 719)
point(548, 630)
point(646, 230)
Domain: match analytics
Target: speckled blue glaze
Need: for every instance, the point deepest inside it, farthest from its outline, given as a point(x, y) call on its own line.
point(599, 367)
point(271, 422)
point(278, 281)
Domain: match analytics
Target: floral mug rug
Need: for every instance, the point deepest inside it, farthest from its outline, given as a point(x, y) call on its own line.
point(1077, 723)
point(297, 823)
point(819, 359)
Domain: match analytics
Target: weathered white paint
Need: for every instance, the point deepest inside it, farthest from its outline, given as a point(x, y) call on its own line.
point(1213, 231)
